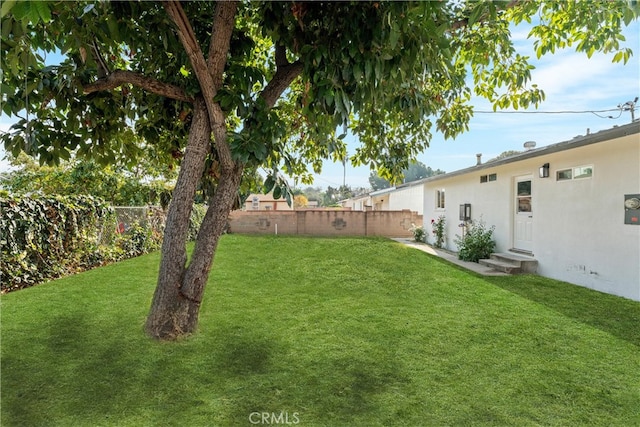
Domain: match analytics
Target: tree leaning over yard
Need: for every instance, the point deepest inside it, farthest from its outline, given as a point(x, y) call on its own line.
point(224, 88)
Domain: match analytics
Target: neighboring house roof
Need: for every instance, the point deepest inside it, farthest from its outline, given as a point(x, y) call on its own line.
point(578, 141)
point(265, 198)
point(383, 191)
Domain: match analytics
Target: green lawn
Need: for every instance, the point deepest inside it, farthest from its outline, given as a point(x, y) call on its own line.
point(322, 332)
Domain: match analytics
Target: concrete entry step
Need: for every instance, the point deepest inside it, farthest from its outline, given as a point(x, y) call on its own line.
point(511, 263)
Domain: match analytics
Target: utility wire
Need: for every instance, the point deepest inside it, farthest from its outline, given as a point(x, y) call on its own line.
point(547, 112)
point(629, 106)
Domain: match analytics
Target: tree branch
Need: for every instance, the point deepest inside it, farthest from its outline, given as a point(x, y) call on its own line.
point(119, 77)
point(285, 74)
point(280, 81)
point(209, 86)
point(221, 30)
point(281, 56)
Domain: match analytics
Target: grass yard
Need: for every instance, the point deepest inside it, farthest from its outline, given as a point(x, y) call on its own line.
point(322, 332)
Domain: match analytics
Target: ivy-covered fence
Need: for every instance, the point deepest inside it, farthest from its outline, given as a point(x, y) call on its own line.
point(47, 237)
point(44, 237)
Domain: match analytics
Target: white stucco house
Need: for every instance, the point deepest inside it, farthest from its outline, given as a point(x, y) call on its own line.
point(573, 206)
point(404, 196)
point(358, 203)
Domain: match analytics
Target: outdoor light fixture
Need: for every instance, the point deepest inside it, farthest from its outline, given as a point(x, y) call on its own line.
point(544, 171)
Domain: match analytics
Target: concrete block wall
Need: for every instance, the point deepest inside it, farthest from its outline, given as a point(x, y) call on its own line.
point(325, 222)
point(392, 223)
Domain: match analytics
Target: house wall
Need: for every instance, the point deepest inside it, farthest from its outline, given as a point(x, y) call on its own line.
point(579, 235)
point(362, 203)
point(381, 202)
point(266, 202)
point(325, 222)
point(410, 197)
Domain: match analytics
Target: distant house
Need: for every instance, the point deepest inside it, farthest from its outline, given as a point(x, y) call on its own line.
point(266, 202)
point(405, 196)
point(573, 206)
point(358, 203)
point(380, 199)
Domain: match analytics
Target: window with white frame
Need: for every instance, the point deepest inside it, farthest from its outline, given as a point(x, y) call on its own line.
point(488, 178)
point(440, 199)
point(579, 172)
point(582, 172)
point(255, 203)
point(563, 175)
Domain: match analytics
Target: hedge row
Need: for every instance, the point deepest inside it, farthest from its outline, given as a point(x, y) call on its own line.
point(45, 237)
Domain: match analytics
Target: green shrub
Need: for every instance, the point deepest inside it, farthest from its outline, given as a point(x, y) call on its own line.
point(46, 237)
point(477, 243)
point(197, 215)
point(437, 226)
point(419, 234)
point(138, 240)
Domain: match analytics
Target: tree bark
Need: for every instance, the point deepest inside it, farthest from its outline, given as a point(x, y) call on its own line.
point(120, 77)
point(176, 302)
point(212, 228)
point(169, 308)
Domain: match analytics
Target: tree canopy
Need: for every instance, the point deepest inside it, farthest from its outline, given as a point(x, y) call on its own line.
point(415, 171)
point(224, 88)
point(391, 71)
point(74, 177)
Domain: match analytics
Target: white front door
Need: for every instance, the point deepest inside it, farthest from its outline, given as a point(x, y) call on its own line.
point(523, 214)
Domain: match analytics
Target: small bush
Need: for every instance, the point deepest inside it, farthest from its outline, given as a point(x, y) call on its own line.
point(138, 240)
point(477, 243)
point(418, 233)
point(437, 226)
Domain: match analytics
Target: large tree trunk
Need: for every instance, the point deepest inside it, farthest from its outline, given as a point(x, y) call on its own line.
point(164, 320)
point(176, 302)
point(213, 226)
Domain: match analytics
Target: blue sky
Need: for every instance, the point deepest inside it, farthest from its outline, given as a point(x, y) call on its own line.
point(571, 82)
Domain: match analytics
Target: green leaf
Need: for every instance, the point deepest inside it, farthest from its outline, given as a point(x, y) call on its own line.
point(617, 57)
point(277, 192)
point(287, 196)
point(43, 10)
point(367, 70)
point(114, 31)
point(475, 14)
point(357, 72)
point(21, 9)
point(7, 5)
point(394, 36)
point(268, 184)
point(6, 30)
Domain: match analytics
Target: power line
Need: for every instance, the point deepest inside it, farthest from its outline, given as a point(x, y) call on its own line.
point(627, 106)
point(547, 112)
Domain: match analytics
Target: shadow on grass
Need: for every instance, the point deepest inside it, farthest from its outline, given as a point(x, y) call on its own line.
point(78, 371)
point(614, 315)
point(67, 371)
